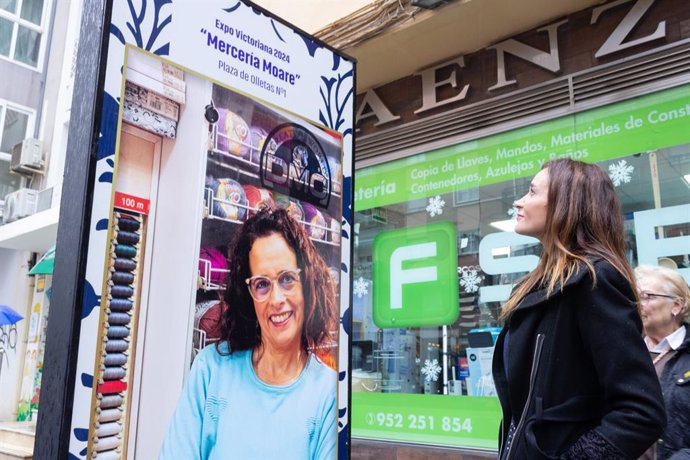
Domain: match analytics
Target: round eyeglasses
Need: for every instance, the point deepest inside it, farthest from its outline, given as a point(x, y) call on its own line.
point(646, 296)
point(260, 286)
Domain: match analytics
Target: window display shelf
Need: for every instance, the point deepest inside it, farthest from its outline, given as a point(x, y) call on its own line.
point(214, 205)
point(246, 161)
point(206, 275)
point(198, 341)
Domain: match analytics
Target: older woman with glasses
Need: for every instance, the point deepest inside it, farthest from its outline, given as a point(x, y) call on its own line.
point(262, 392)
point(665, 310)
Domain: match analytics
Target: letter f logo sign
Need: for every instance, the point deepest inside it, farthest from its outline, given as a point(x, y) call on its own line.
point(415, 280)
point(399, 276)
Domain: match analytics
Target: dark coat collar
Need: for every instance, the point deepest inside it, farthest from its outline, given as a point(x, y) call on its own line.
point(539, 296)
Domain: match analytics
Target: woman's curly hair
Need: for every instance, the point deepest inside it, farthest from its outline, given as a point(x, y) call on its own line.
point(239, 325)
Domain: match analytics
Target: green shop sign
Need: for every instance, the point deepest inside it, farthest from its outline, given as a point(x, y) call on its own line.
point(415, 276)
point(465, 421)
point(646, 123)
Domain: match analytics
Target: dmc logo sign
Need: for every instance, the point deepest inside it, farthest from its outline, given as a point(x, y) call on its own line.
point(293, 162)
point(415, 276)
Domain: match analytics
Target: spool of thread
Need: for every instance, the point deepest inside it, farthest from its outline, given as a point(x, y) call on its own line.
point(108, 429)
point(119, 319)
point(115, 359)
point(126, 237)
point(230, 202)
point(114, 373)
point(258, 137)
point(124, 265)
point(107, 443)
point(208, 316)
point(315, 221)
point(128, 223)
point(122, 278)
point(110, 454)
point(123, 292)
point(126, 251)
point(293, 208)
point(258, 198)
point(235, 138)
point(109, 415)
point(116, 346)
point(121, 305)
point(110, 401)
point(118, 332)
point(218, 262)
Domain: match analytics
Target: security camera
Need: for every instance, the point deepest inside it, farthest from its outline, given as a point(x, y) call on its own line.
point(210, 113)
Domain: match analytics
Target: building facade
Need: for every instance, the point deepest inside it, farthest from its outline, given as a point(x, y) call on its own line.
point(442, 155)
point(37, 52)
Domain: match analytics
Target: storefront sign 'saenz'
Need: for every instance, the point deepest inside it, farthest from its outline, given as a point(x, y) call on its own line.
point(437, 81)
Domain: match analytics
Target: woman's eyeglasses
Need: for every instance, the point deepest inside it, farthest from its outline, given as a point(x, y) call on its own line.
point(260, 286)
point(645, 296)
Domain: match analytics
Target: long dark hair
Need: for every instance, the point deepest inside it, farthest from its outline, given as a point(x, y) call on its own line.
point(584, 221)
point(239, 325)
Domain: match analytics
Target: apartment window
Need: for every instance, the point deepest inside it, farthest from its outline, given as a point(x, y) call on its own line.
point(21, 30)
point(15, 125)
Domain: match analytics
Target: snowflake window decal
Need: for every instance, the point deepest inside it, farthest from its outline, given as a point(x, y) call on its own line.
point(621, 172)
point(431, 370)
point(435, 207)
point(360, 287)
point(470, 279)
point(512, 212)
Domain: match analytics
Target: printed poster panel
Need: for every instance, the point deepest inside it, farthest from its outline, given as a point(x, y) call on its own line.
point(224, 180)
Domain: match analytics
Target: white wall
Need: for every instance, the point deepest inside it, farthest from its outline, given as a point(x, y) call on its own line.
point(14, 287)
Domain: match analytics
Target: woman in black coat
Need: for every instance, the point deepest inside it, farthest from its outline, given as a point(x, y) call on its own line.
point(665, 311)
point(572, 373)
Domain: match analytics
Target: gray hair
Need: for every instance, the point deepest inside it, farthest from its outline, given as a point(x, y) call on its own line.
point(674, 283)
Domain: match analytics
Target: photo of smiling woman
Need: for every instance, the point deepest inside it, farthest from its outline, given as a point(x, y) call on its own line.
point(262, 392)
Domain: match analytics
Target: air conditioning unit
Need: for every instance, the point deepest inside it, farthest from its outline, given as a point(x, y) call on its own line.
point(44, 199)
point(19, 204)
point(27, 157)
